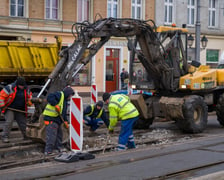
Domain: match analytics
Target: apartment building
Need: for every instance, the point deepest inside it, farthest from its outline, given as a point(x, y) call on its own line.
point(211, 23)
point(41, 20)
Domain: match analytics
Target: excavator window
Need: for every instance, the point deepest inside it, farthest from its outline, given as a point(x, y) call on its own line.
point(140, 77)
point(83, 78)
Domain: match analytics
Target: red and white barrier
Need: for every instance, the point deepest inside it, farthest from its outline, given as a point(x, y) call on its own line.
point(76, 123)
point(94, 95)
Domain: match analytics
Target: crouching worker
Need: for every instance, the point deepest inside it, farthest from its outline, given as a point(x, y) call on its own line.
point(55, 114)
point(121, 108)
point(95, 116)
point(14, 99)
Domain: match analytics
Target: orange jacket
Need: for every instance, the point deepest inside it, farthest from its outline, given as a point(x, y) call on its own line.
point(8, 93)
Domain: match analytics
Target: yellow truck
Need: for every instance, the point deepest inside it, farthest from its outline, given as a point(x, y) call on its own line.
point(34, 61)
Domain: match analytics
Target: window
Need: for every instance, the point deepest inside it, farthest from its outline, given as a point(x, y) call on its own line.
point(83, 77)
point(212, 56)
point(191, 12)
point(17, 8)
point(51, 9)
point(169, 11)
point(136, 9)
point(83, 10)
point(212, 13)
point(139, 72)
point(112, 8)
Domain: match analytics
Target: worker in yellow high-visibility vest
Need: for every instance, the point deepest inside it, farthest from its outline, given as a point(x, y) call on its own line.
point(94, 116)
point(121, 108)
point(55, 114)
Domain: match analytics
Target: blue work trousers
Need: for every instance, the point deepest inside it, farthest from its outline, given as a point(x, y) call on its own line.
point(93, 123)
point(126, 137)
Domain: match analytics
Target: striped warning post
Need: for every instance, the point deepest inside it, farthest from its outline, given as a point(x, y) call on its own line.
point(76, 125)
point(94, 95)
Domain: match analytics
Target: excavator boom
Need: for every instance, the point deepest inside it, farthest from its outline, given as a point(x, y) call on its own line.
point(160, 51)
point(137, 32)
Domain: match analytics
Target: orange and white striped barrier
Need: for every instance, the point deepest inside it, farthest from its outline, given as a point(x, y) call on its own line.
point(94, 95)
point(76, 123)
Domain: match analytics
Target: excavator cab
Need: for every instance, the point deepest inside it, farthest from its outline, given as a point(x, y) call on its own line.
point(173, 49)
point(140, 79)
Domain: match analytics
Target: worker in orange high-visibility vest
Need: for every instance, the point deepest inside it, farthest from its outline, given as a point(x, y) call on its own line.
point(55, 114)
point(14, 99)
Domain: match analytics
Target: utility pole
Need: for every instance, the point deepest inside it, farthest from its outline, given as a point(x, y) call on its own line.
point(197, 33)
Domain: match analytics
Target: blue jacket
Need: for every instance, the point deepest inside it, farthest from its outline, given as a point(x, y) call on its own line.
point(88, 109)
point(54, 99)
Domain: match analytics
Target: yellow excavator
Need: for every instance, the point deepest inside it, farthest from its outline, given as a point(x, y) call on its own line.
point(167, 85)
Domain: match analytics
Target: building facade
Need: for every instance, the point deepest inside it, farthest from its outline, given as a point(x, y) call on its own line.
point(211, 24)
point(41, 20)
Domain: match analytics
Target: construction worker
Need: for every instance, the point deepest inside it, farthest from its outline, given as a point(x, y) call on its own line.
point(94, 116)
point(121, 108)
point(14, 99)
point(55, 114)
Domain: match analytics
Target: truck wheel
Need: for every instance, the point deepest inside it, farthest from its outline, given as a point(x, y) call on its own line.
point(195, 113)
point(220, 110)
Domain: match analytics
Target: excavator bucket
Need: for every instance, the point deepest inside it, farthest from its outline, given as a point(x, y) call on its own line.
point(36, 131)
point(138, 101)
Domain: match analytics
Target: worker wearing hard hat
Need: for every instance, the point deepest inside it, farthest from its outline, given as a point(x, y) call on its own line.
point(121, 108)
point(94, 116)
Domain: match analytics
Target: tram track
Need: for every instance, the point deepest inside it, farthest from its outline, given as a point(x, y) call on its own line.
point(124, 161)
point(185, 172)
point(98, 151)
point(19, 153)
point(142, 139)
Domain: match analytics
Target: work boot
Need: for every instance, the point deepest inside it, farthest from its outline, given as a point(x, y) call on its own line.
point(55, 152)
point(47, 153)
point(131, 145)
point(5, 139)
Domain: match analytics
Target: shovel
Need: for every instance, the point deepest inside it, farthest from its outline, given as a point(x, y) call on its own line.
point(17, 110)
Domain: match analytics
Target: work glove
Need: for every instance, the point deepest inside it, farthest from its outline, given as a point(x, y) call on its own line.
point(66, 124)
point(58, 109)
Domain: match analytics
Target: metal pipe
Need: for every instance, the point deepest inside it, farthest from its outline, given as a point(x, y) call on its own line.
point(42, 90)
point(197, 33)
point(57, 68)
point(77, 70)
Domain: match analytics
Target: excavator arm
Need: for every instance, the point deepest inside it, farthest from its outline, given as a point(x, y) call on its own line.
point(89, 38)
point(143, 40)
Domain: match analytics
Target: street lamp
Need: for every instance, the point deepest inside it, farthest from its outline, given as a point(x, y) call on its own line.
point(204, 42)
point(190, 40)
